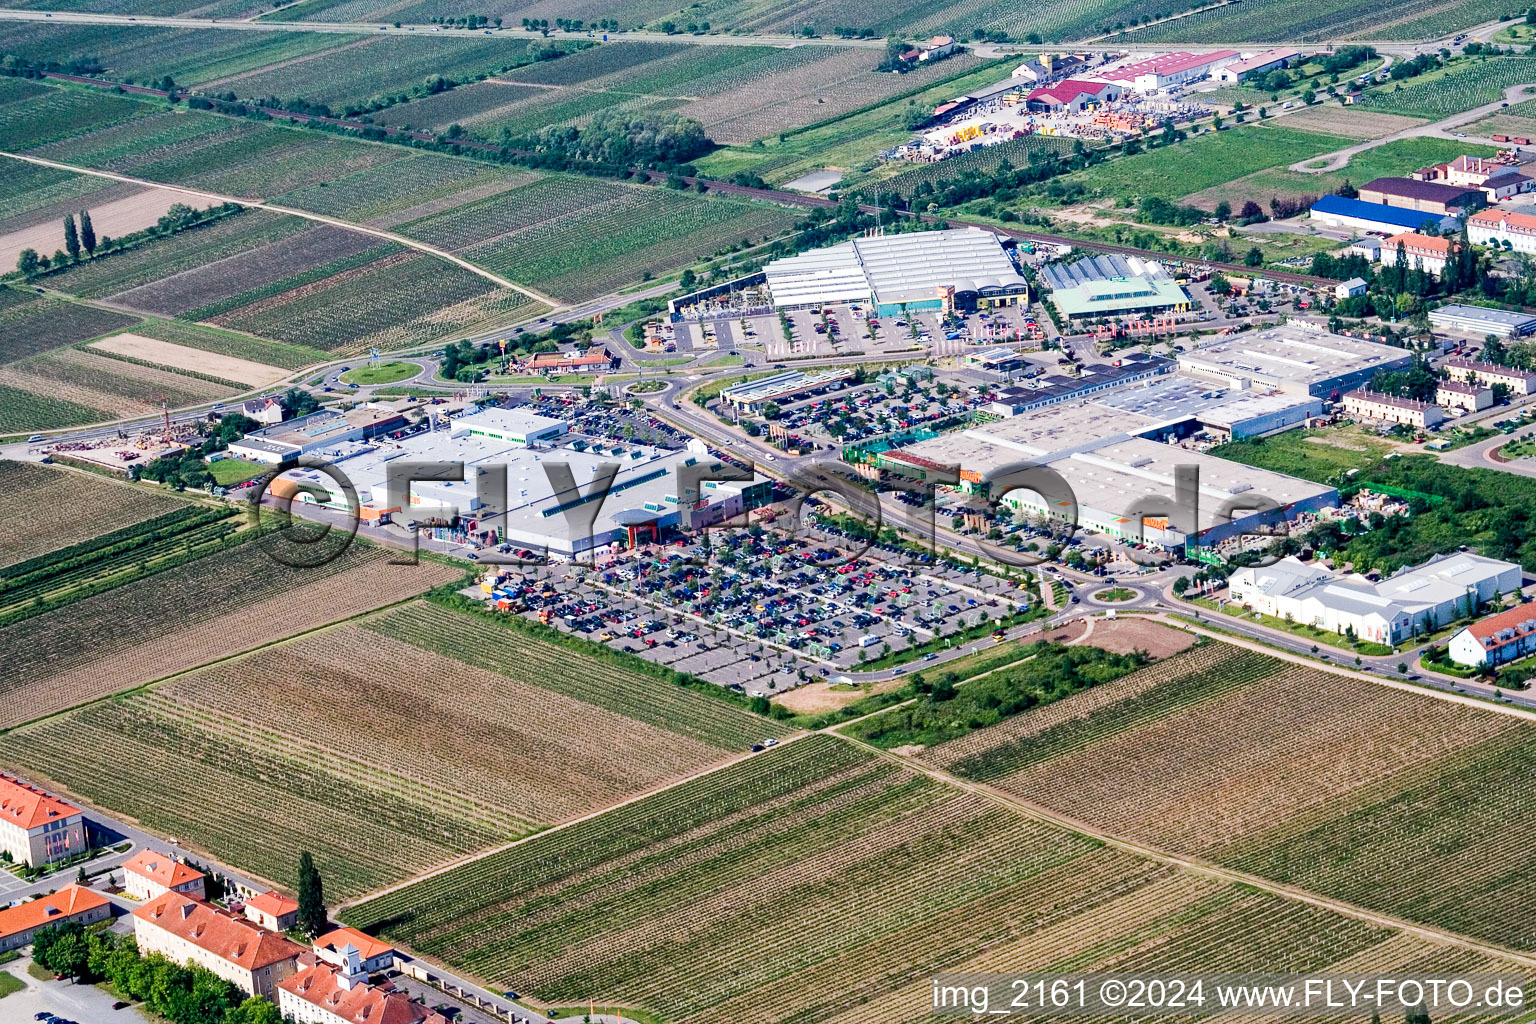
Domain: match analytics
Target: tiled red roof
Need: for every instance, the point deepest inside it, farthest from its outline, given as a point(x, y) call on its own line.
point(161, 869)
point(274, 903)
point(1519, 620)
point(1071, 89)
point(219, 932)
point(55, 909)
point(28, 807)
point(367, 946)
point(321, 985)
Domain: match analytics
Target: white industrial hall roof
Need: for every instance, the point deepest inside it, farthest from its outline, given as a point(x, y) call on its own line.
point(905, 267)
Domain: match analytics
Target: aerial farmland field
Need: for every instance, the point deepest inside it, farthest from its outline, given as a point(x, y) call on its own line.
point(179, 618)
point(44, 508)
point(680, 903)
point(1317, 781)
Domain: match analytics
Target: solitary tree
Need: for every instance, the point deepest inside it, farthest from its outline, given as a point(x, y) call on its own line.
point(312, 916)
point(71, 237)
point(87, 232)
point(27, 262)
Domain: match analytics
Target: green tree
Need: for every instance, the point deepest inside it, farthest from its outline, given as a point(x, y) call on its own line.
point(1254, 258)
point(87, 232)
point(312, 915)
point(1223, 210)
point(27, 262)
point(71, 237)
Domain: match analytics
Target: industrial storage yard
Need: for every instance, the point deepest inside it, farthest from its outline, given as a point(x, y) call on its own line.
point(739, 514)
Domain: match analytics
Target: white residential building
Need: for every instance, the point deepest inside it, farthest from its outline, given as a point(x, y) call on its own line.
point(149, 874)
point(1412, 601)
point(1465, 397)
point(36, 828)
point(1519, 382)
point(1508, 636)
point(1383, 408)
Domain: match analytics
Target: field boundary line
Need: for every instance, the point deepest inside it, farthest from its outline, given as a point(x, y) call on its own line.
point(569, 823)
point(262, 204)
point(1194, 864)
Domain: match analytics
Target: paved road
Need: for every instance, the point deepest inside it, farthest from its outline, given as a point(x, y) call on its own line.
point(1437, 129)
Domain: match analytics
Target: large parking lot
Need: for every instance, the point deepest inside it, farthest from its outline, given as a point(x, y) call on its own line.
point(761, 612)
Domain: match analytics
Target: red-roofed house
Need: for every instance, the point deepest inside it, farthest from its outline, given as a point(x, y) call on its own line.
point(1507, 636)
point(1073, 95)
point(273, 911)
point(325, 994)
point(374, 955)
point(1427, 252)
point(593, 361)
point(72, 903)
point(149, 874)
point(191, 931)
point(1168, 69)
point(36, 828)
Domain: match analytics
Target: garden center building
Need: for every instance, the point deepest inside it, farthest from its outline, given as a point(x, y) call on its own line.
point(961, 268)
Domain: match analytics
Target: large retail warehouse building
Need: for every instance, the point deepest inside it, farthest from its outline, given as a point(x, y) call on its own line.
point(960, 268)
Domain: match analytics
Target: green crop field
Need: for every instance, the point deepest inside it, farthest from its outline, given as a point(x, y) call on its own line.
point(1173, 171)
point(1393, 159)
point(401, 299)
point(1221, 753)
point(382, 65)
point(121, 388)
point(147, 53)
point(61, 113)
point(22, 411)
point(1462, 86)
point(393, 192)
point(679, 904)
point(27, 189)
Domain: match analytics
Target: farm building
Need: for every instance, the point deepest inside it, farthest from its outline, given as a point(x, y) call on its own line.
point(1384, 408)
point(1295, 358)
point(1258, 64)
point(73, 903)
point(1169, 69)
point(1412, 601)
point(1423, 196)
point(149, 874)
point(1428, 253)
point(1504, 228)
point(1495, 640)
point(1369, 247)
point(1112, 286)
point(961, 268)
point(184, 929)
point(1072, 96)
point(1358, 215)
point(36, 828)
point(1519, 382)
